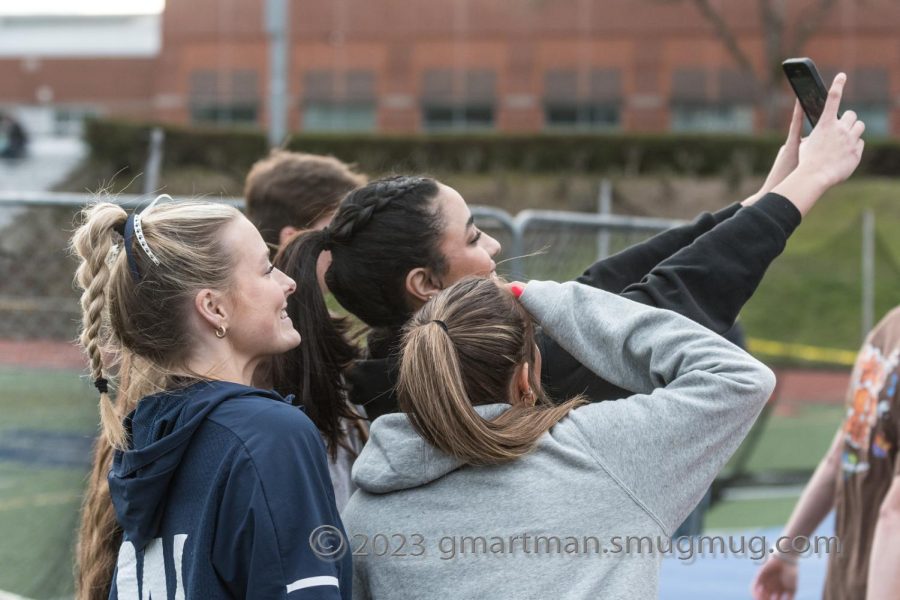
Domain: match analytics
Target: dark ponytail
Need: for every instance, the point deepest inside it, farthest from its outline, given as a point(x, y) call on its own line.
point(379, 233)
point(313, 370)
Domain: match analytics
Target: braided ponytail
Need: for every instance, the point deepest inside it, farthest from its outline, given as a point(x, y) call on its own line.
point(356, 212)
point(380, 233)
point(93, 243)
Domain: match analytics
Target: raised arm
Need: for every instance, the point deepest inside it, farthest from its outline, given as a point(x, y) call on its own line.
point(698, 394)
point(629, 266)
point(710, 280)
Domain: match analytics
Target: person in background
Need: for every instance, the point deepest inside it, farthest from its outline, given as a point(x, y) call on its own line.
point(188, 291)
point(287, 192)
point(13, 141)
point(859, 476)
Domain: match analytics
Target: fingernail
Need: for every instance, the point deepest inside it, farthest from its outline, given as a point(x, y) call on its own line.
point(516, 289)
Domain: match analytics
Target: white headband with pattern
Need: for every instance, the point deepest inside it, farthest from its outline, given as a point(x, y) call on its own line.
point(139, 232)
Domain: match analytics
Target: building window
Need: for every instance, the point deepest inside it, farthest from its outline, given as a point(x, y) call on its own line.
point(705, 104)
point(339, 101)
point(226, 99)
point(870, 96)
point(338, 117)
point(458, 100)
point(710, 118)
point(877, 118)
point(587, 102)
point(68, 121)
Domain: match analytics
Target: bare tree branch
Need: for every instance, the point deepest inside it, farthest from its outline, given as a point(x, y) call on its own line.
point(773, 26)
point(727, 35)
point(808, 23)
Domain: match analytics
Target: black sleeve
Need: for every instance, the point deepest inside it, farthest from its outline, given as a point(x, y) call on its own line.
point(708, 281)
point(629, 266)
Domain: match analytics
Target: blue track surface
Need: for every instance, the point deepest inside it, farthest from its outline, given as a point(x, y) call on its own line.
point(718, 577)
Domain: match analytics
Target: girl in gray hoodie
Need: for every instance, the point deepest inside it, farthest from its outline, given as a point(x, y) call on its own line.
point(482, 487)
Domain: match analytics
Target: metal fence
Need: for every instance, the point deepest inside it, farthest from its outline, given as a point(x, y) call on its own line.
point(38, 301)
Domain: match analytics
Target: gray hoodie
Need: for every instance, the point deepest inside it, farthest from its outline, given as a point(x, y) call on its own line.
point(586, 513)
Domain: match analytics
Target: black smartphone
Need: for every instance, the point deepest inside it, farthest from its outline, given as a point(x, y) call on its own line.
point(804, 78)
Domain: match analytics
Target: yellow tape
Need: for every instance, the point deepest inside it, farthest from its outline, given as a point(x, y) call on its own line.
point(801, 351)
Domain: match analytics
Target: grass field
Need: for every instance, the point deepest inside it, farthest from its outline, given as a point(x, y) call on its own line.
point(48, 421)
point(790, 443)
point(812, 294)
point(49, 418)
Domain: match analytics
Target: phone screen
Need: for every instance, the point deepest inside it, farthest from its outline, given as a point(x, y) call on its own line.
point(808, 86)
point(810, 97)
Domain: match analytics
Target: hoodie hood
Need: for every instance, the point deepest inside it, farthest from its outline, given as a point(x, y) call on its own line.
point(397, 458)
point(160, 431)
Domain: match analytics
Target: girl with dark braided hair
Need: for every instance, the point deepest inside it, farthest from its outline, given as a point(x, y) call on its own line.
point(397, 242)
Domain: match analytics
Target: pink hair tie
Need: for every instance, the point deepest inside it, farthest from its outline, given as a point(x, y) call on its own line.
point(517, 289)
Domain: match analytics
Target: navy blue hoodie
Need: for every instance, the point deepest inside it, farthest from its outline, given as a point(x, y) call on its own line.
point(218, 497)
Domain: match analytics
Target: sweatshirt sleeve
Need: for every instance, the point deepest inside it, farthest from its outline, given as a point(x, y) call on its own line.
point(277, 494)
point(697, 394)
point(629, 266)
point(711, 279)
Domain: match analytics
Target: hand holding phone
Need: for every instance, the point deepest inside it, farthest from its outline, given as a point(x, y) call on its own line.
point(807, 84)
point(828, 156)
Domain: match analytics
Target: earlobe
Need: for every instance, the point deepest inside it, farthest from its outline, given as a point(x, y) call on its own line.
point(211, 308)
point(522, 392)
point(285, 235)
point(421, 285)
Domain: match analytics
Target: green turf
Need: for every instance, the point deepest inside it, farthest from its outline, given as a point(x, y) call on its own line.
point(39, 505)
point(38, 517)
point(43, 399)
point(812, 294)
point(787, 443)
point(749, 514)
point(798, 441)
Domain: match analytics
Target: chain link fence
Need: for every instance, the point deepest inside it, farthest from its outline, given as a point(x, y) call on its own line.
point(38, 300)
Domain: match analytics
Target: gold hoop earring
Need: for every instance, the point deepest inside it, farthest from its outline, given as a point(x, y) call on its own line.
point(221, 331)
point(529, 398)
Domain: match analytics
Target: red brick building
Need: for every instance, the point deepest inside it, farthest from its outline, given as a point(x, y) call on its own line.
point(508, 65)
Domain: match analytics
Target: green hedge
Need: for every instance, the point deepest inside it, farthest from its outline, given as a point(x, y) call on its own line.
point(124, 145)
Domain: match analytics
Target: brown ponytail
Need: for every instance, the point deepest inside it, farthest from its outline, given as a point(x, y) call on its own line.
point(460, 350)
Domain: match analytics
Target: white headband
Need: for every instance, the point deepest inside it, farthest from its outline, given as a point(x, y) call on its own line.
point(139, 232)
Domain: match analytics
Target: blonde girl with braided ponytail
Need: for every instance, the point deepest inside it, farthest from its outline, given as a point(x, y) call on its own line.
point(181, 303)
